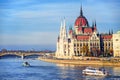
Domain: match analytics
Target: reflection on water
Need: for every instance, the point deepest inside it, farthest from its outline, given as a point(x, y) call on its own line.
point(12, 69)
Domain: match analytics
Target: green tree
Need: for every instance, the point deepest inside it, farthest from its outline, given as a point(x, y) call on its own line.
point(4, 50)
point(85, 50)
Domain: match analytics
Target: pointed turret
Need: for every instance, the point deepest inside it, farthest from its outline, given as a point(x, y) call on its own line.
point(64, 23)
point(58, 38)
point(112, 31)
point(109, 32)
point(95, 27)
point(61, 28)
point(93, 24)
point(64, 29)
point(70, 30)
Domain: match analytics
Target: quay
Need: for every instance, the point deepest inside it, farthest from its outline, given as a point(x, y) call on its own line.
point(83, 62)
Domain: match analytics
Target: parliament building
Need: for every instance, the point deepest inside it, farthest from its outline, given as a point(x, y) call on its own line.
point(83, 40)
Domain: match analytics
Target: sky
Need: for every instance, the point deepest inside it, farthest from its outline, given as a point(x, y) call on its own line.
point(35, 24)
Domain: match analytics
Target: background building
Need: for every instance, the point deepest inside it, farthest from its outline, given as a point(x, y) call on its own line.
point(83, 40)
point(116, 44)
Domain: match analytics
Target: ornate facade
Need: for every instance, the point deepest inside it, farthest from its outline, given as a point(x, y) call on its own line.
point(116, 44)
point(83, 40)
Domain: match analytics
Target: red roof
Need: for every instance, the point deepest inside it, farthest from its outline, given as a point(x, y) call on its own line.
point(81, 21)
point(106, 36)
point(82, 37)
point(88, 30)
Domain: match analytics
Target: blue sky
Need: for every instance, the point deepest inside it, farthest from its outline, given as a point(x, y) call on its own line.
point(34, 24)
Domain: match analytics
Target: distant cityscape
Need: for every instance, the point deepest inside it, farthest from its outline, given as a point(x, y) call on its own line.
point(26, 51)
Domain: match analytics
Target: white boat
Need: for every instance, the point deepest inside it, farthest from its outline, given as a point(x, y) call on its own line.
point(26, 64)
point(94, 72)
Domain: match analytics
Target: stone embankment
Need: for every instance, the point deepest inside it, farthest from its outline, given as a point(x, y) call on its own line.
point(82, 62)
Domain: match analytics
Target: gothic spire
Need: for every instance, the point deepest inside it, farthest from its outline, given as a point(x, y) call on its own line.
point(81, 12)
point(109, 32)
point(61, 25)
point(64, 23)
point(64, 29)
point(95, 23)
point(61, 28)
point(112, 31)
point(92, 24)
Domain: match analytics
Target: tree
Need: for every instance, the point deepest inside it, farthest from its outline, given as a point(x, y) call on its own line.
point(111, 52)
point(4, 50)
point(107, 53)
point(94, 52)
point(85, 50)
point(89, 53)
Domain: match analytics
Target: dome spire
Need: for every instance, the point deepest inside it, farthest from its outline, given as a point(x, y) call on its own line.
point(81, 12)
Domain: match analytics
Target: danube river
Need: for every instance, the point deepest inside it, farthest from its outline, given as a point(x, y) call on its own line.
point(12, 69)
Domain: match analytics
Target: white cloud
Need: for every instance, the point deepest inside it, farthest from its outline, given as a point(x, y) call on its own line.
point(41, 14)
point(105, 12)
point(31, 38)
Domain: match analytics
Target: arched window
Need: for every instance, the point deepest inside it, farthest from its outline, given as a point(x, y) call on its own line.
point(77, 45)
point(80, 44)
point(95, 44)
point(106, 44)
point(78, 53)
point(83, 44)
point(75, 53)
point(90, 44)
point(86, 44)
point(109, 44)
point(74, 45)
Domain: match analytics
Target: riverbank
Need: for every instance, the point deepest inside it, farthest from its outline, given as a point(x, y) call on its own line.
point(82, 62)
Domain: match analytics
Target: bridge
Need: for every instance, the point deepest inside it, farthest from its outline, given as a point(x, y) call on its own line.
point(22, 54)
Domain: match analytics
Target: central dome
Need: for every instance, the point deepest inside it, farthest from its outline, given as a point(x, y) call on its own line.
point(81, 20)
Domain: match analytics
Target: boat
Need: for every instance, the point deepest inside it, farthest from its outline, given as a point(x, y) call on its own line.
point(95, 71)
point(26, 64)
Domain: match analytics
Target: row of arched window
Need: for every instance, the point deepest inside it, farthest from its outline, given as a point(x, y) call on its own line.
point(86, 44)
point(107, 44)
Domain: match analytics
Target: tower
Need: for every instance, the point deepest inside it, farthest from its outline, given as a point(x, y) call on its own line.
point(81, 12)
point(62, 40)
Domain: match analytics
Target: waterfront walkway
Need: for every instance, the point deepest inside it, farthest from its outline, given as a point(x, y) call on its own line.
point(83, 62)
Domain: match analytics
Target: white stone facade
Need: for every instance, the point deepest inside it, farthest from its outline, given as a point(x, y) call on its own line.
point(83, 40)
point(116, 44)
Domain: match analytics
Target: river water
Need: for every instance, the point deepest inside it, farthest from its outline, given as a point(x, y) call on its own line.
point(12, 69)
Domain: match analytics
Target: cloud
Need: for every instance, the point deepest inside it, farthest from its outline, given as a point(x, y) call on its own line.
point(38, 18)
point(29, 38)
point(105, 12)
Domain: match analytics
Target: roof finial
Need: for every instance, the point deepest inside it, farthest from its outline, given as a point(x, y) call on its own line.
point(81, 12)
